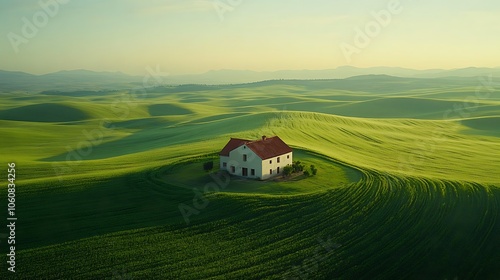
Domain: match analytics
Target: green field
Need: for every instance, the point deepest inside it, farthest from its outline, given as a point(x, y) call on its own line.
point(408, 182)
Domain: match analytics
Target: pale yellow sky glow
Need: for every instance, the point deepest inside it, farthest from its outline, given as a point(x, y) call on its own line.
point(195, 36)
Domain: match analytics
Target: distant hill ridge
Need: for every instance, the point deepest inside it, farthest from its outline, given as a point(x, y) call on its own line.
point(91, 80)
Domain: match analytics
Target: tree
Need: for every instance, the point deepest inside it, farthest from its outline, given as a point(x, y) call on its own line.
point(313, 169)
point(207, 166)
point(287, 170)
point(297, 166)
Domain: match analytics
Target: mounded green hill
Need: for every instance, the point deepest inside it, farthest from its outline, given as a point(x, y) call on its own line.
point(394, 198)
point(167, 110)
point(48, 112)
point(486, 125)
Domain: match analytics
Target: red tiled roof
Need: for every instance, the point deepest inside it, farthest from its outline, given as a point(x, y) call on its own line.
point(264, 148)
point(269, 147)
point(231, 145)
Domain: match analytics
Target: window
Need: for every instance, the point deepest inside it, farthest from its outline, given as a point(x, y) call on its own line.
point(278, 171)
point(278, 159)
point(224, 164)
point(287, 156)
point(244, 172)
point(244, 157)
point(270, 161)
point(270, 171)
point(252, 172)
point(233, 170)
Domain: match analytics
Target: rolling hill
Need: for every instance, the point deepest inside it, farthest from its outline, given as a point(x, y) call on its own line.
point(85, 80)
point(405, 188)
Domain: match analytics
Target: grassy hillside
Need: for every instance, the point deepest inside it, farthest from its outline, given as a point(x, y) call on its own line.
point(38, 113)
point(404, 190)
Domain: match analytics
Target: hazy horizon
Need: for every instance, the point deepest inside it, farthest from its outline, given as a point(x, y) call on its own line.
point(193, 37)
point(249, 70)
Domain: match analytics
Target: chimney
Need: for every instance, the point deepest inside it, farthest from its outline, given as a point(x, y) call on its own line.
point(264, 137)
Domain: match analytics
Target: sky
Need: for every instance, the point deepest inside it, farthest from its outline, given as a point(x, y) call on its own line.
point(195, 36)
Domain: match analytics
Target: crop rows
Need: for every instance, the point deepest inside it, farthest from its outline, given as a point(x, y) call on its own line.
point(387, 227)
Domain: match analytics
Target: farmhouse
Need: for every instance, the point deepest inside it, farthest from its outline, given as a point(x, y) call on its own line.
point(262, 159)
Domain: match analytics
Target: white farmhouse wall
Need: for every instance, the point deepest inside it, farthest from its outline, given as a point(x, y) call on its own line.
point(272, 164)
point(223, 160)
point(252, 162)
